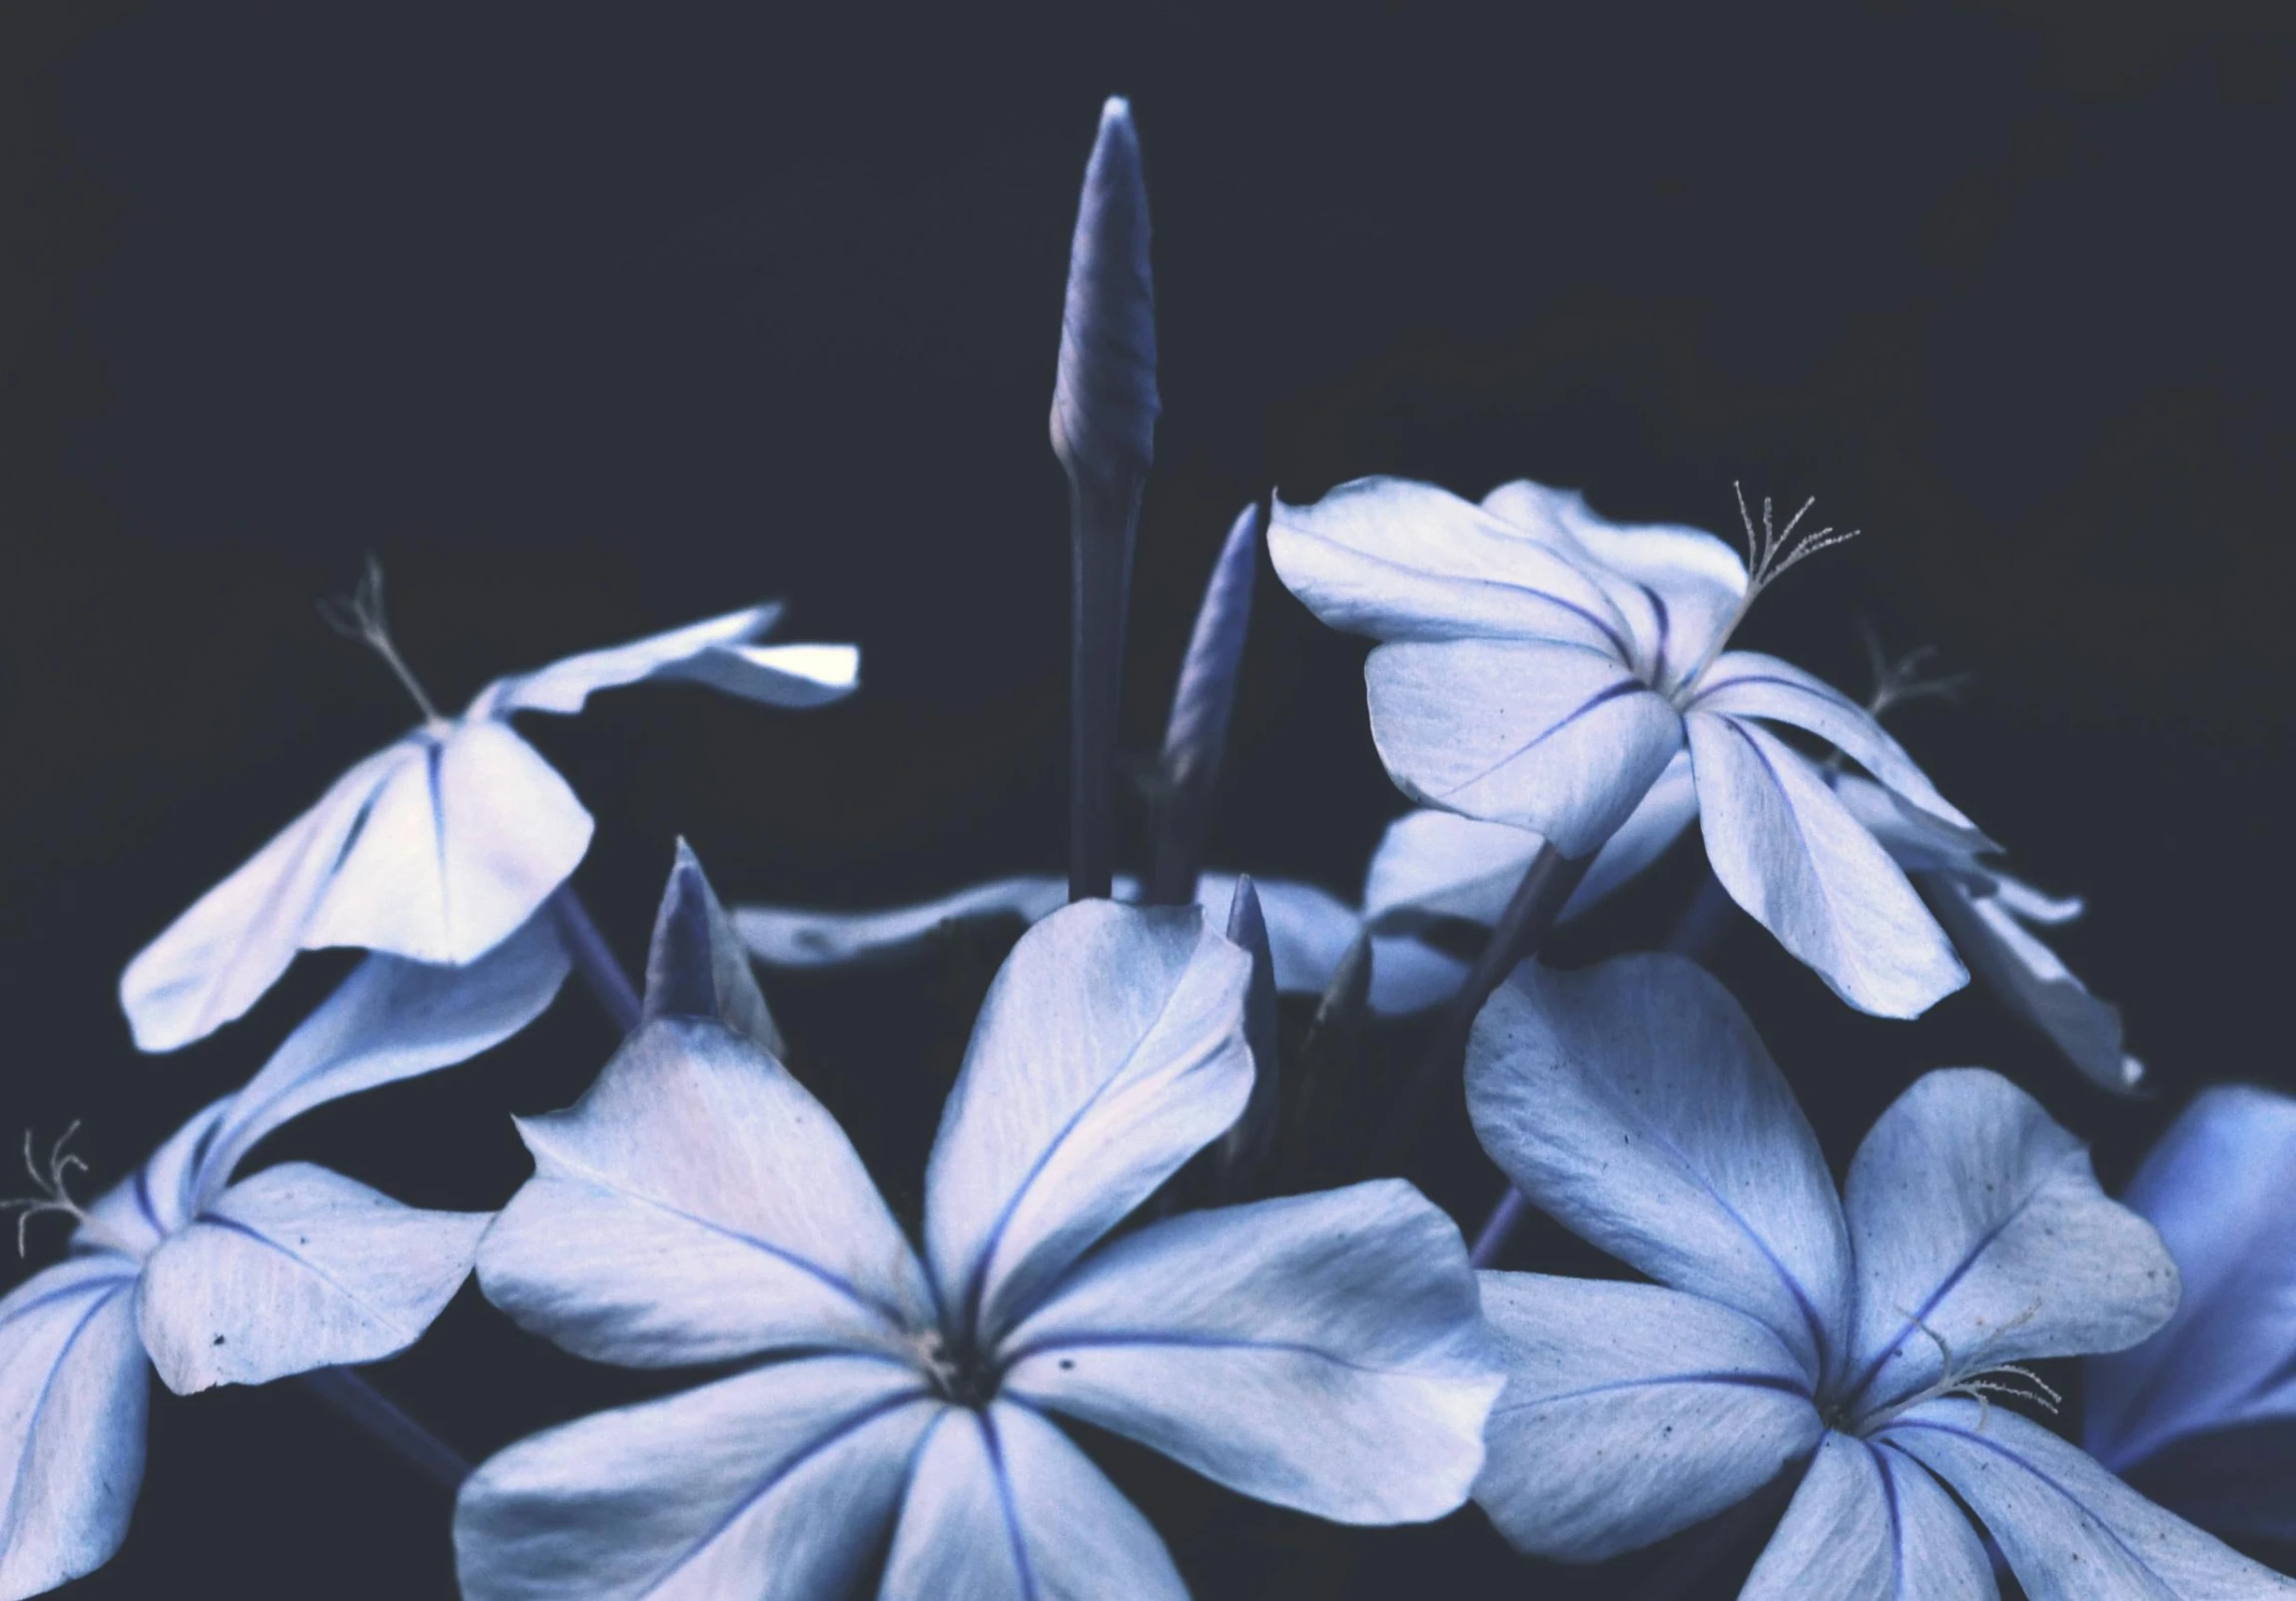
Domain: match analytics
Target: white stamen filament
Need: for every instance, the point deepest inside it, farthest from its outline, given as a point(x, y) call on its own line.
point(52, 1196)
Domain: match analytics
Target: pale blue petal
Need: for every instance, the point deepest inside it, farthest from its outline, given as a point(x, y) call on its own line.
point(698, 1204)
point(1663, 816)
point(776, 1486)
point(1308, 929)
point(1634, 1103)
point(159, 1198)
point(1324, 1351)
point(696, 967)
point(1631, 1411)
point(389, 1019)
point(1103, 393)
point(72, 1394)
point(796, 677)
point(1432, 865)
point(2026, 978)
point(1402, 560)
point(1791, 854)
point(1109, 1051)
point(1979, 1231)
point(297, 1268)
point(1411, 976)
point(566, 685)
point(1869, 1521)
point(789, 935)
point(2218, 1187)
point(1556, 738)
point(1915, 842)
point(2070, 1530)
point(1004, 1509)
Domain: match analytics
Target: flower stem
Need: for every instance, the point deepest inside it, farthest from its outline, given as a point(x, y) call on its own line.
point(1102, 519)
point(594, 958)
point(355, 1398)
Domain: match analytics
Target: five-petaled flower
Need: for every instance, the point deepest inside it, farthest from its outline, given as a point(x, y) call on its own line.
point(1869, 1332)
point(699, 1206)
point(1542, 667)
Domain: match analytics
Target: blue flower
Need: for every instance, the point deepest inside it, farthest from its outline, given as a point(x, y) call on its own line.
point(2204, 1413)
point(1869, 1332)
point(697, 1205)
point(1541, 667)
point(212, 1281)
point(440, 846)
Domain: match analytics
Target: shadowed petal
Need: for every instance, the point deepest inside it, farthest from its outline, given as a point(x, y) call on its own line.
point(775, 1484)
point(1109, 1051)
point(698, 1204)
point(696, 965)
point(2026, 978)
point(1869, 1521)
point(1631, 1411)
point(788, 936)
point(73, 1392)
point(298, 1268)
point(1634, 1103)
point(1002, 1508)
point(2070, 1530)
point(159, 1198)
point(1436, 864)
point(1792, 855)
point(1409, 975)
point(1979, 1230)
point(1322, 1351)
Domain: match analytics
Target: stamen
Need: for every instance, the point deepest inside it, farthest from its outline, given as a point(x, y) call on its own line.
point(1900, 680)
point(52, 1196)
point(359, 617)
point(1776, 552)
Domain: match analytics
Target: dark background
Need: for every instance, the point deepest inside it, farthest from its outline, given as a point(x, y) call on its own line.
point(590, 322)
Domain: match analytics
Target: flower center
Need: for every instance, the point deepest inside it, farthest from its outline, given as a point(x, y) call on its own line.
point(962, 1377)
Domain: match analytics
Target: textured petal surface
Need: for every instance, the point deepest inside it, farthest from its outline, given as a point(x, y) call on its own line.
point(698, 1204)
point(1109, 1051)
point(2026, 978)
point(1791, 854)
point(1634, 1103)
point(776, 1484)
point(72, 1394)
point(789, 935)
point(297, 1268)
point(1324, 1351)
point(1002, 1508)
point(1630, 1411)
point(566, 685)
point(696, 965)
point(159, 1198)
point(1557, 738)
point(2070, 1530)
point(1869, 1521)
point(1979, 1230)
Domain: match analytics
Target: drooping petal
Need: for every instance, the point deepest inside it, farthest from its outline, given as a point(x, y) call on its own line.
point(1915, 842)
point(1634, 1103)
point(788, 936)
point(717, 651)
point(2027, 979)
point(1981, 1238)
point(698, 1204)
point(1320, 1351)
point(696, 967)
point(1555, 738)
point(1630, 1411)
point(390, 1020)
point(461, 846)
point(217, 959)
point(797, 677)
point(1869, 1521)
point(73, 1392)
point(1002, 1508)
point(776, 1484)
point(159, 1198)
point(2217, 1187)
point(1791, 854)
point(1402, 560)
point(2070, 1530)
point(1109, 1051)
point(297, 1268)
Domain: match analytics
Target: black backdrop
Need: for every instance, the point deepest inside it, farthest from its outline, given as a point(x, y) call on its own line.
point(592, 322)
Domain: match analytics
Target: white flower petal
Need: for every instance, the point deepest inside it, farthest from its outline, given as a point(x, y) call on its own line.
point(789, 935)
point(159, 1198)
point(1869, 1521)
point(798, 678)
point(2027, 979)
point(566, 685)
point(1409, 975)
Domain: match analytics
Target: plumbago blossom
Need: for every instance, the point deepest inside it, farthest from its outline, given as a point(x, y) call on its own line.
point(2203, 1414)
point(699, 1206)
point(1869, 1333)
point(437, 847)
point(1542, 667)
point(212, 1281)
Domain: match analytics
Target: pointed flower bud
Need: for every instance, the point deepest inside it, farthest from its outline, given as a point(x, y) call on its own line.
point(1104, 401)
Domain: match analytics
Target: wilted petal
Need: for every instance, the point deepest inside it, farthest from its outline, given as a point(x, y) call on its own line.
point(298, 1268)
point(1402, 560)
point(788, 936)
point(1978, 1230)
point(775, 1484)
point(218, 959)
point(1630, 1411)
point(564, 686)
point(1550, 738)
point(1109, 1051)
point(1792, 855)
point(1002, 1508)
point(1869, 1521)
point(696, 967)
point(697, 1205)
point(1322, 1351)
point(2070, 1530)
point(1634, 1103)
point(2026, 978)
point(73, 1392)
